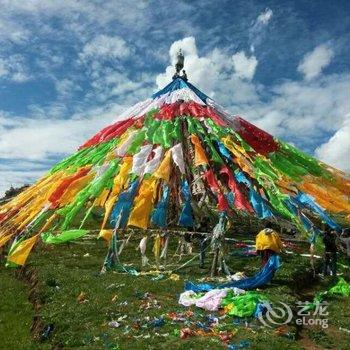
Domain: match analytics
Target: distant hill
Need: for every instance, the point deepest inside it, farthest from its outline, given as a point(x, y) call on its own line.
point(12, 192)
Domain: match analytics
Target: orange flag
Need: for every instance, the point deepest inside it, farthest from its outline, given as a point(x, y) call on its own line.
point(199, 154)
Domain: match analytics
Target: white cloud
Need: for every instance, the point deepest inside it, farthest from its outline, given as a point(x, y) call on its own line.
point(201, 70)
point(258, 29)
point(104, 46)
point(303, 111)
point(215, 73)
point(66, 87)
point(12, 31)
point(3, 68)
point(20, 172)
point(265, 16)
point(336, 151)
point(40, 138)
point(108, 83)
point(315, 61)
point(14, 68)
point(244, 66)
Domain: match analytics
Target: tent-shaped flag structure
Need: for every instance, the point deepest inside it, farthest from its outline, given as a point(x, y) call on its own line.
point(170, 162)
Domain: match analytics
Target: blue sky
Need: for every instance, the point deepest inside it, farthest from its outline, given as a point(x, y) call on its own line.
point(68, 68)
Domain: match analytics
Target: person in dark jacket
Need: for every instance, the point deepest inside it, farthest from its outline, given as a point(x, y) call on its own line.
point(330, 252)
point(345, 241)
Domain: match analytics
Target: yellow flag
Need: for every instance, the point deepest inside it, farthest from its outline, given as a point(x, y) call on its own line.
point(5, 239)
point(31, 215)
point(120, 179)
point(118, 184)
point(48, 222)
point(163, 172)
point(108, 208)
point(329, 198)
point(139, 216)
point(242, 159)
point(106, 235)
point(21, 252)
point(101, 199)
point(74, 188)
point(156, 247)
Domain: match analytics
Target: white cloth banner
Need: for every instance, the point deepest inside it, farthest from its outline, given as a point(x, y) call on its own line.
point(178, 157)
point(140, 160)
point(121, 149)
point(134, 110)
point(153, 164)
point(184, 94)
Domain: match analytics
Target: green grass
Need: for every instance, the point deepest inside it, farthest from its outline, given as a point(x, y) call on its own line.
point(16, 314)
point(66, 271)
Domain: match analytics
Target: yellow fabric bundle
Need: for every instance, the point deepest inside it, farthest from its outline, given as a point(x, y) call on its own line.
point(40, 198)
point(268, 239)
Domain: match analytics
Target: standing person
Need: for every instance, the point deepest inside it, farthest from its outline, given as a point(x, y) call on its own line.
point(330, 252)
point(267, 243)
point(345, 241)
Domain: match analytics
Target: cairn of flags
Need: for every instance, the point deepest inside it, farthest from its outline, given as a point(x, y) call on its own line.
point(174, 162)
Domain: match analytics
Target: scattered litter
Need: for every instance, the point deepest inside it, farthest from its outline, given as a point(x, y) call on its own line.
point(344, 329)
point(158, 322)
point(174, 277)
point(225, 336)
point(114, 324)
point(234, 301)
point(148, 301)
point(243, 344)
point(158, 277)
point(82, 298)
point(180, 317)
point(185, 333)
point(47, 332)
point(342, 287)
point(115, 285)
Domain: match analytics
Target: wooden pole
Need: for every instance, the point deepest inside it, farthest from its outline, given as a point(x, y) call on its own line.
point(214, 266)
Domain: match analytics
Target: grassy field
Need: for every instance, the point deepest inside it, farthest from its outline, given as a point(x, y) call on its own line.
point(68, 296)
